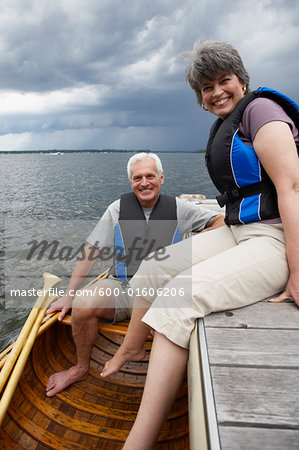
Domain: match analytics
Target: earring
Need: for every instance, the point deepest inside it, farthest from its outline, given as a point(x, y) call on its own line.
point(244, 90)
point(204, 107)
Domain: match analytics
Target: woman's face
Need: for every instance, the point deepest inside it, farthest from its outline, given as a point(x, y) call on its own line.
point(221, 95)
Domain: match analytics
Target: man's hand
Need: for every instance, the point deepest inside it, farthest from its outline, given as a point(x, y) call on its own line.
point(63, 304)
point(81, 270)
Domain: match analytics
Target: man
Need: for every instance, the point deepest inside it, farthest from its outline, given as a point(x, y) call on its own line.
point(140, 223)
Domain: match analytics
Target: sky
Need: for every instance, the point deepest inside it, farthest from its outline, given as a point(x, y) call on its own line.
point(98, 74)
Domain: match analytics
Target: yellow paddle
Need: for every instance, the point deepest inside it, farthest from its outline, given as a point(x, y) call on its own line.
point(46, 323)
point(48, 320)
point(24, 343)
point(35, 324)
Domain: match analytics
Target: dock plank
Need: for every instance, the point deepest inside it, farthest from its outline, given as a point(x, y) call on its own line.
point(254, 362)
point(236, 438)
point(261, 397)
point(253, 347)
point(260, 315)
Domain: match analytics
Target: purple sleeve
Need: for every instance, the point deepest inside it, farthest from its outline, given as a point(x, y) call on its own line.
point(261, 111)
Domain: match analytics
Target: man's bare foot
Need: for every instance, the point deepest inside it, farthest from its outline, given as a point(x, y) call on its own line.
point(122, 356)
point(61, 380)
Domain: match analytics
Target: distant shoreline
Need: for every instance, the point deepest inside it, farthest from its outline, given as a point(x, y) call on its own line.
point(108, 150)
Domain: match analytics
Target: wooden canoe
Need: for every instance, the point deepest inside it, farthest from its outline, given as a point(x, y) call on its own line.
point(94, 413)
point(98, 413)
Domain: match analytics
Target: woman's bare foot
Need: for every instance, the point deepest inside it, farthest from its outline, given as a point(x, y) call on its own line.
point(122, 356)
point(61, 380)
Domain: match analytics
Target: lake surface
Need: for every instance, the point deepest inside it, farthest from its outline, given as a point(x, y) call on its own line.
point(61, 198)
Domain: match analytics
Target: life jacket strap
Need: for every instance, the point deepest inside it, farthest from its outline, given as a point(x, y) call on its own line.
point(246, 191)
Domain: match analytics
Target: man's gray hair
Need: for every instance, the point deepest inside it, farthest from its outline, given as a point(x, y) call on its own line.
point(211, 59)
point(140, 157)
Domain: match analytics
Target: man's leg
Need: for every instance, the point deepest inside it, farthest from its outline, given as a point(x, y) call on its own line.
point(86, 312)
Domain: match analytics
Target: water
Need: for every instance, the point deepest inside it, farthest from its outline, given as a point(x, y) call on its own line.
point(61, 197)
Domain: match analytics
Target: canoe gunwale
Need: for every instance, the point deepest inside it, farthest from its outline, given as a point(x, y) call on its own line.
point(203, 426)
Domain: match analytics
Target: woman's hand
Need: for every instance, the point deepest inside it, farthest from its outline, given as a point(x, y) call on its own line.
point(291, 291)
point(276, 149)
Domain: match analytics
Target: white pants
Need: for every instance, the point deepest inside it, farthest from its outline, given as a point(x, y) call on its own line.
point(225, 268)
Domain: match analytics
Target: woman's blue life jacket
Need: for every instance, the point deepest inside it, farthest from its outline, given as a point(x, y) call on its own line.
point(135, 238)
point(245, 187)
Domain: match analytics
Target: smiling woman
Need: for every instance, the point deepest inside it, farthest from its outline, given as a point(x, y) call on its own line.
point(222, 95)
point(252, 158)
point(220, 66)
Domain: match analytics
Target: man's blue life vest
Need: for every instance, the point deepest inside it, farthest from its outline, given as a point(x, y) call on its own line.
point(135, 238)
point(245, 187)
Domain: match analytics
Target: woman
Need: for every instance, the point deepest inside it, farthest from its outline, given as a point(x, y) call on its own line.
point(253, 143)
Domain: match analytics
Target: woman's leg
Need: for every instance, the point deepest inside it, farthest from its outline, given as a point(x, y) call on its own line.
point(153, 275)
point(132, 348)
point(251, 271)
point(165, 374)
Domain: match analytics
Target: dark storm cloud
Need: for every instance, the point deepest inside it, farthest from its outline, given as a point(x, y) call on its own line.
point(58, 44)
point(111, 72)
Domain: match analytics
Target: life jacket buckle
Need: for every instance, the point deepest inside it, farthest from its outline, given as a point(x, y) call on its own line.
point(227, 197)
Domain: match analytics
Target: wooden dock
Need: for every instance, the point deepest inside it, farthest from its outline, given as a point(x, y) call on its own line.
point(251, 379)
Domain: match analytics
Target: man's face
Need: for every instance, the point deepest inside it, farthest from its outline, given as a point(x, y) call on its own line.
point(145, 182)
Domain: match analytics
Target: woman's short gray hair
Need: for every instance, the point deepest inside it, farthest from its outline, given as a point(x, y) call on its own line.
point(211, 59)
point(140, 157)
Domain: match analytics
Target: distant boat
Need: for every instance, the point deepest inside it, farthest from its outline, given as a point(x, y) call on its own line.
point(56, 153)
